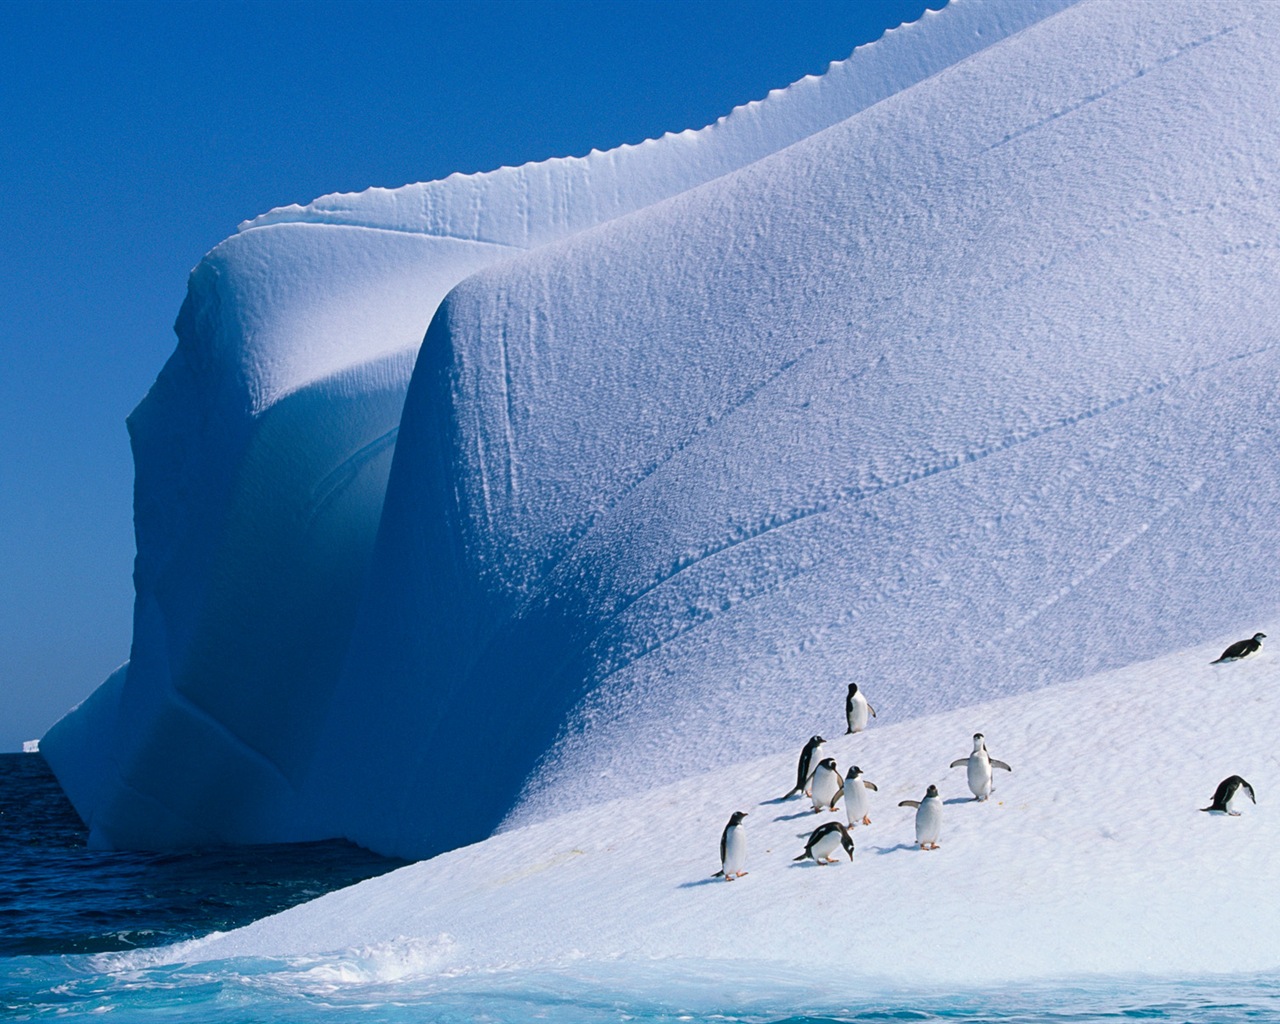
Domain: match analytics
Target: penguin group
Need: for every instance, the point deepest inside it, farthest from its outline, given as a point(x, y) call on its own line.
point(818, 778)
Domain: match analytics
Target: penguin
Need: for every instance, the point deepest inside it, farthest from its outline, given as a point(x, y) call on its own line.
point(827, 785)
point(980, 764)
point(1242, 649)
point(809, 758)
point(733, 848)
point(855, 709)
point(825, 841)
point(928, 818)
point(1224, 797)
point(856, 805)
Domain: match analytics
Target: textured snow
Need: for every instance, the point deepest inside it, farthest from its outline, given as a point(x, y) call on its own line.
point(263, 449)
point(960, 388)
point(963, 396)
point(1091, 857)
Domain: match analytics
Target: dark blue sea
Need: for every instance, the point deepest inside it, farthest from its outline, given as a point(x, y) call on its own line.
point(78, 931)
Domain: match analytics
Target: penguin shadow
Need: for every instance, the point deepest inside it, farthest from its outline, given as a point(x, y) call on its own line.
point(810, 863)
point(959, 800)
point(880, 851)
point(806, 813)
point(775, 800)
point(712, 880)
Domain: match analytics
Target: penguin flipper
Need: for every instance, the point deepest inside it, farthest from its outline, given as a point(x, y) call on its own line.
point(870, 785)
point(961, 761)
point(1000, 764)
point(908, 803)
point(872, 710)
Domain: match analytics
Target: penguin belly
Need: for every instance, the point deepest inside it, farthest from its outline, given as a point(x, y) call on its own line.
point(735, 852)
point(856, 804)
point(929, 821)
point(826, 847)
point(979, 771)
point(826, 784)
point(857, 714)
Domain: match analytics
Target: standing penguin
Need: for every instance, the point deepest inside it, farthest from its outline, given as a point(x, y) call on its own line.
point(856, 709)
point(1224, 797)
point(928, 818)
point(733, 848)
point(825, 841)
point(809, 758)
point(1242, 649)
point(856, 805)
point(827, 786)
point(980, 764)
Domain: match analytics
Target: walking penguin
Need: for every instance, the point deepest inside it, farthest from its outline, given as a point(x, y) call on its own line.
point(980, 764)
point(856, 709)
point(733, 849)
point(1224, 797)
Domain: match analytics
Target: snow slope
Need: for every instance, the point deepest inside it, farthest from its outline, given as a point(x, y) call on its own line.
point(969, 394)
point(1091, 857)
point(263, 449)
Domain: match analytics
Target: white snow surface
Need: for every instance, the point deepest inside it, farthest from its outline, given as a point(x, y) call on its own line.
point(961, 389)
point(263, 449)
point(1091, 857)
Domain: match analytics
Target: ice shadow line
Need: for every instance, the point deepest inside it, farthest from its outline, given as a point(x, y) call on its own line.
point(882, 850)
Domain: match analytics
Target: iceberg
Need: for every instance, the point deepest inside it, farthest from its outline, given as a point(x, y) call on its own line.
point(467, 506)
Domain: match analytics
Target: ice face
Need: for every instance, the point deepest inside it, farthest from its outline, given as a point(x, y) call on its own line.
point(972, 352)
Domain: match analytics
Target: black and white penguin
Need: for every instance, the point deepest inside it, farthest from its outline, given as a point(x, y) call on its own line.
point(1224, 797)
point(928, 818)
point(856, 709)
point(980, 764)
point(825, 841)
point(856, 805)
point(733, 849)
point(809, 758)
point(827, 785)
point(1242, 649)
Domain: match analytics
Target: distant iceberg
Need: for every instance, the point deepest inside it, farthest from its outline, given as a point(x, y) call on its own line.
point(948, 372)
point(31, 746)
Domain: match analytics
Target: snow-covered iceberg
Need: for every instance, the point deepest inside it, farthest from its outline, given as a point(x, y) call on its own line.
point(947, 373)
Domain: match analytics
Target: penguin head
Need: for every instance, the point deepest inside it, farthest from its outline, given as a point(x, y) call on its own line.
point(1259, 636)
point(931, 791)
point(829, 763)
point(815, 740)
point(737, 817)
point(846, 841)
point(853, 688)
point(979, 741)
point(854, 772)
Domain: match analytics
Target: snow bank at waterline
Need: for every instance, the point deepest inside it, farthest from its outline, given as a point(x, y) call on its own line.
point(1091, 857)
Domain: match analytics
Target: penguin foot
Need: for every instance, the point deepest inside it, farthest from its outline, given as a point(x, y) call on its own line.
point(866, 820)
point(1234, 814)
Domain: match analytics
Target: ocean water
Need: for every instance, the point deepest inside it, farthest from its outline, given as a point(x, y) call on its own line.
point(57, 896)
point(81, 931)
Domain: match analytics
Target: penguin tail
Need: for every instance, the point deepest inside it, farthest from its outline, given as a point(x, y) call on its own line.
point(848, 732)
point(803, 856)
point(719, 874)
point(1206, 808)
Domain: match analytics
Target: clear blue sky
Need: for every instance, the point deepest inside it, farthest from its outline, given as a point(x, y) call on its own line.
point(135, 136)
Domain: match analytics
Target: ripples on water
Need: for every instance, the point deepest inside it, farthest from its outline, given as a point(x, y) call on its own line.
point(392, 985)
point(62, 905)
point(57, 896)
